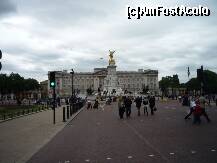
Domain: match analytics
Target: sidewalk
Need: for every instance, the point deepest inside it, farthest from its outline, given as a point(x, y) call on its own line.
point(22, 137)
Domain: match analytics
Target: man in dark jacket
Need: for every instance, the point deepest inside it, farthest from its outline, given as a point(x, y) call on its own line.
point(138, 102)
point(127, 104)
point(152, 104)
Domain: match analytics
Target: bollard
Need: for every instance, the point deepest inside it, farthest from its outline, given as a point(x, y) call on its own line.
point(64, 114)
point(4, 117)
point(23, 112)
point(71, 110)
point(32, 109)
point(67, 112)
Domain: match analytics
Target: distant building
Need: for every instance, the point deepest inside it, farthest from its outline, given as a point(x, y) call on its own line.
point(133, 81)
point(44, 89)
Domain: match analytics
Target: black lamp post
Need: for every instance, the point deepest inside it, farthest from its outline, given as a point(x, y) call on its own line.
point(72, 97)
point(72, 72)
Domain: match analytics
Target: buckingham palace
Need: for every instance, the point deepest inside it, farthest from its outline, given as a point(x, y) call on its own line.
point(106, 78)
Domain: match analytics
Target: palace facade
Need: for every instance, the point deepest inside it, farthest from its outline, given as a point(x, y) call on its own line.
point(133, 81)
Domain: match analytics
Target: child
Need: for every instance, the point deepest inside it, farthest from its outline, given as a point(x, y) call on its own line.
point(89, 105)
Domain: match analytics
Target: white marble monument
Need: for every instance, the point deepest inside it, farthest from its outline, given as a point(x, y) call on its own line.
point(111, 80)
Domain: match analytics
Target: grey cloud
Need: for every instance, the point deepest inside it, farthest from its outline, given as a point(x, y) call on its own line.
point(85, 31)
point(6, 6)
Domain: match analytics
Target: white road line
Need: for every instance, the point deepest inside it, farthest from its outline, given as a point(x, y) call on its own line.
point(87, 160)
point(171, 153)
point(213, 150)
point(151, 155)
point(193, 152)
point(130, 157)
point(147, 142)
point(108, 158)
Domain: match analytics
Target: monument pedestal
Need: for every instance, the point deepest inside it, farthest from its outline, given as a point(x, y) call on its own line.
point(111, 80)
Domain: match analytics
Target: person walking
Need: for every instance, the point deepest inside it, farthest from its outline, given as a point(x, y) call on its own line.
point(203, 101)
point(138, 102)
point(152, 104)
point(96, 104)
point(197, 111)
point(121, 107)
point(145, 103)
point(127, 104)
point(89, 105)
point(192, 105)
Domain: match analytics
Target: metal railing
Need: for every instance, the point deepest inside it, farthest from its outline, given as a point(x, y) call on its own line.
point(69, 110)
point(23, 112)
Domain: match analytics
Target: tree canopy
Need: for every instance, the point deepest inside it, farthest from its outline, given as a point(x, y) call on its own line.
point(169, 82)
point(15, 83)
point(209, 83)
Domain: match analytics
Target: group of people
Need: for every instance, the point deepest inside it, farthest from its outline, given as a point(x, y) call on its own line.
point(125, 102)
point(197, 108)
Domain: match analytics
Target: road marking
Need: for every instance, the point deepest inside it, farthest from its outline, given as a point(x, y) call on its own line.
point(213, 150)
point(67, 162)
point(147, 142)
point(151, 155)
point(193, 152)
point(130, 157)
point(171, 153)
point(108, 158)
point(87, 160)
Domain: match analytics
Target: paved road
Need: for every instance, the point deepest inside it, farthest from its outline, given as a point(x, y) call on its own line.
point(22, 137)
point(99, 136)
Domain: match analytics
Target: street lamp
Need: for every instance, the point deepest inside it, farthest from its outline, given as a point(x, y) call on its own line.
point(72, 72)
point(72, 97)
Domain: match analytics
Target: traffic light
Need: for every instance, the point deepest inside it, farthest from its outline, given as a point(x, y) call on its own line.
point(52, 79)
point(0, 58)
point(200, 74)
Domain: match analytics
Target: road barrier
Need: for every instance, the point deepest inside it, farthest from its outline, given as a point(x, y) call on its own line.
point(69, 110)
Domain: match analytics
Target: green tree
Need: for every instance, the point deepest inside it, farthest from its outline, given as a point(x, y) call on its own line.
point(169, 82)
point(193, 84)
point(14, 83)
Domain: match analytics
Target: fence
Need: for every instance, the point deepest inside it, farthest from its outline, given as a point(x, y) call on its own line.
point(71, 109)
point(23, 112)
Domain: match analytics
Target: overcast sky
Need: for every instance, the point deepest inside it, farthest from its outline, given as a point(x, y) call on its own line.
point(37, 36)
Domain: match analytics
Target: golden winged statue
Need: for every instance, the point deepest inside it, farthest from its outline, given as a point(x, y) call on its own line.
point(111, 60)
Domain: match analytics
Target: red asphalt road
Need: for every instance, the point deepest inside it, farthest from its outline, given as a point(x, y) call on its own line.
point(99, 136)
